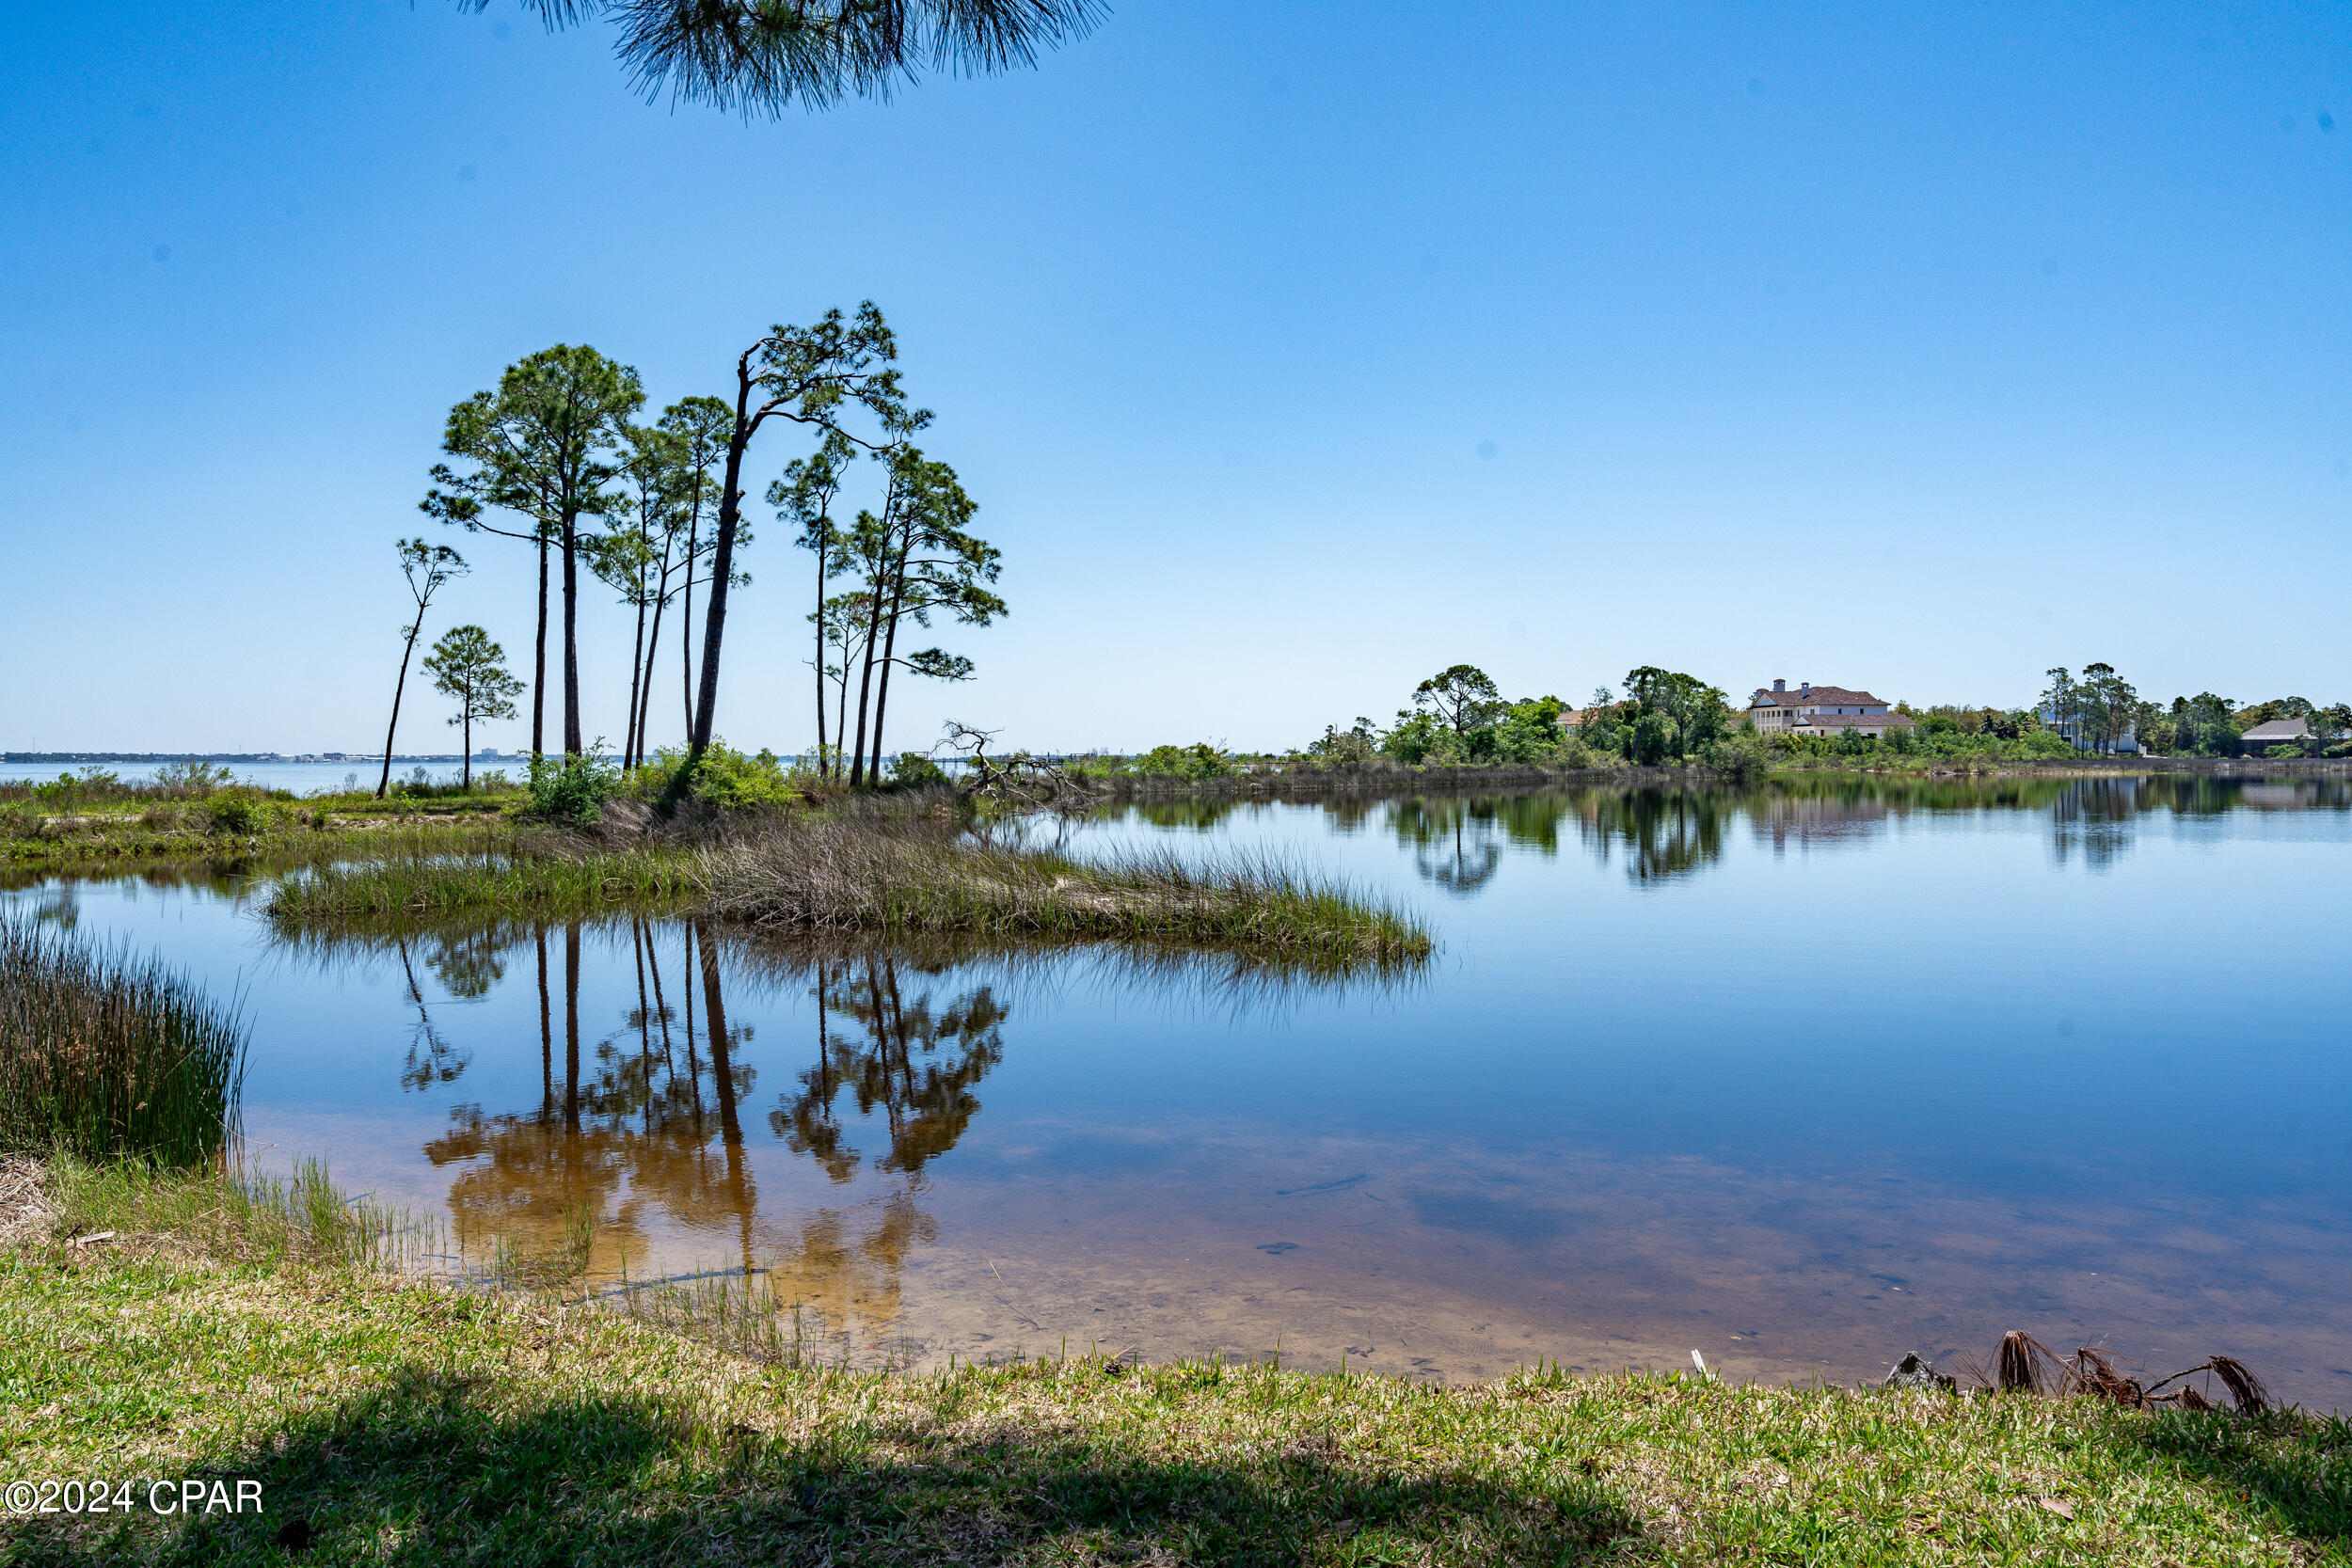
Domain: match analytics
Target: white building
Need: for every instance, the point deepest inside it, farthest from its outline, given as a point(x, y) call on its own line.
point(1812, 709)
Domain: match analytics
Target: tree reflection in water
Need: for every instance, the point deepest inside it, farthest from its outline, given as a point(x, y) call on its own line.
point(1452, 840)
point(1660, 833)
point(640, 1132)
point(570, 1187)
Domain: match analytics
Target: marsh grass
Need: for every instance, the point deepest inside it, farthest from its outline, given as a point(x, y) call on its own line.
point(232, 1214)
point(105, 1056)
point(833, 875)
point(550, 881)
point(871, 873)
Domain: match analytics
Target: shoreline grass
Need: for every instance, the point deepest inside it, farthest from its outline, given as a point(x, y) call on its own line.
point(875, 875)
point(402, 1422)
point(832, 875)
point(96, 844)
point(107, 1055)
point(542, 877)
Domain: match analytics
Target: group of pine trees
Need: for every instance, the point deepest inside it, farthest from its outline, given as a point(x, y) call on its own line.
point(555, 458)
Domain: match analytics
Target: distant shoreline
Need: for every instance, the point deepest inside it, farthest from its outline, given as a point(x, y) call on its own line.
point(36, 759)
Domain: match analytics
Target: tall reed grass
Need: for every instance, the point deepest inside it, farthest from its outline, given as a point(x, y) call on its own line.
point(830, 874)
point(422, 885)
point(108, 1056)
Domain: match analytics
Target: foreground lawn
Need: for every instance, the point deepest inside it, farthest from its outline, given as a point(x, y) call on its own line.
point(404, 1424)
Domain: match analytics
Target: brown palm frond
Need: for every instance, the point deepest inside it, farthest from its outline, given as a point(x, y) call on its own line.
point(2245, 1388)
point(2024, 1362)
point(2190, 1399)
point(2094, 1372)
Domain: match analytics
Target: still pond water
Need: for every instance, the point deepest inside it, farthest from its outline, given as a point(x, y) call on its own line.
point(1798, 1078)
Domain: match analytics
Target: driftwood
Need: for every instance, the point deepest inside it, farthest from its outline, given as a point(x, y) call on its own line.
point(1021, 780)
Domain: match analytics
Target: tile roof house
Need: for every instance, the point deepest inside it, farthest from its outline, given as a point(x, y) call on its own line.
point(1822, 710)
point(2276, 732)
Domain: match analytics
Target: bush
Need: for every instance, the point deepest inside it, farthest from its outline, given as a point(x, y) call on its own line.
point(724, 779)
point(916, 771)
point(571, 790)
point(193, 778)
point(238, 813)
point(1198, 760)
point(2284, 749)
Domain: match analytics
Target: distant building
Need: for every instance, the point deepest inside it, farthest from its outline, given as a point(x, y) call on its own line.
point(487, 754)
point(1822, 710)
point(1573, 719)
point(2071, 731)
point(2278, 731)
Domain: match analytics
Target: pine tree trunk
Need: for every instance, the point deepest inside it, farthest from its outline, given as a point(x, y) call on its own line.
point(645, 700)
point(722, 567)
point(400, 685)
point(572, 746)
point(890, 645)
point(865, 688)
point(636, 677)
point(539, 674)
point(821, 765)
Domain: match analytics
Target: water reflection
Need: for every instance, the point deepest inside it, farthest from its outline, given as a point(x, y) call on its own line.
point(1459, 844)
point(571, 1185)
point(642, 1152)
point(895, 1055)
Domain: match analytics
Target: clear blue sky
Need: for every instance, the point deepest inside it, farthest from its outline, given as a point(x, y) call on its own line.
point(1293, 352)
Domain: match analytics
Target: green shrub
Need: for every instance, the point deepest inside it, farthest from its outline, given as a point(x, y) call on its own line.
point(724, 779)
point(1198, 760)
point(573, 789)
point(916, 771)
point(193, 778)
point(237, 813)
point(2284, 749)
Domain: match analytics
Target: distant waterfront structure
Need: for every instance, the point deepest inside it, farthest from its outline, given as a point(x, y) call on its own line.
point(2278, 731)
point(1812, 709)
point(2071, 731)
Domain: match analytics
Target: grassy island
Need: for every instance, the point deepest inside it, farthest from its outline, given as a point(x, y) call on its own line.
point(839, 874)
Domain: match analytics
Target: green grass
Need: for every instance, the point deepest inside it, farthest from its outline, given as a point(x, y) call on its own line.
point(870, 874)
point(538, 877)
point(102, 1054)
point(409, 1424)
point(35, 842)
point(839, 875)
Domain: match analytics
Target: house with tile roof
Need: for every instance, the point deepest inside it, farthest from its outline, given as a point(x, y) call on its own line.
point(2275, 732)
point(1830, 710)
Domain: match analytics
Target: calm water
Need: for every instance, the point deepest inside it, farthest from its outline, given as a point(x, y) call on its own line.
point(1802, 1080)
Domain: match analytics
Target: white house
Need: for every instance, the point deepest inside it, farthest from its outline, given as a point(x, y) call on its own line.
point(1812, 709)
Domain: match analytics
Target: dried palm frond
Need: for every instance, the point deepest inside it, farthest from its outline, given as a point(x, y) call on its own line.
point(2094, 1372)
point(2245, 1388)
point(2024, 1362)
point(2190, 1399)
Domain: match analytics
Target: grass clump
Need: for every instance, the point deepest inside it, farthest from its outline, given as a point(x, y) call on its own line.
point(224, 1214)
point(107, 1056)
point(549, 883)
point(875, 875)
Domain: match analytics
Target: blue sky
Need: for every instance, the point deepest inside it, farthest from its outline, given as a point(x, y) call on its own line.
point(1292, 352)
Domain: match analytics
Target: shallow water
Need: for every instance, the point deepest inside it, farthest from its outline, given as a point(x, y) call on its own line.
point(1799, 1079)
